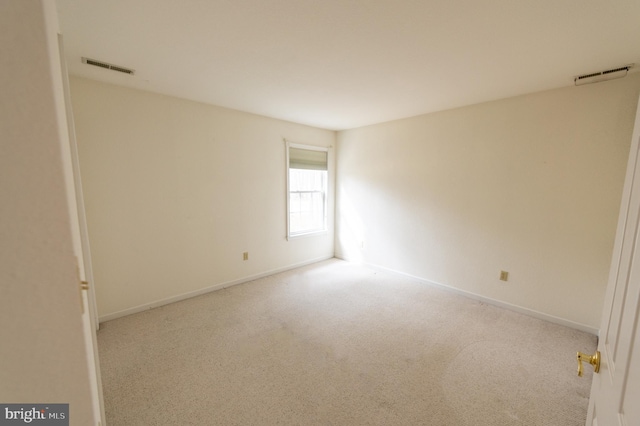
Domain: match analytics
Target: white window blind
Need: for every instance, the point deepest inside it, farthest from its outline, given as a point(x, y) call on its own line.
point(307, 159)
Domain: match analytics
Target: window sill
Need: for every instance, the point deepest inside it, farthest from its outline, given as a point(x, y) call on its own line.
point(307, 234)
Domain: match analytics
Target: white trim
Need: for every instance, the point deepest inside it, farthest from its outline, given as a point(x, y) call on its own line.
point(188, 295)
point(488, 300)
point(289, 235)
point(509, 306)
point(87, 266)
point(78, 222)
point(307, 234)
point(286, 195)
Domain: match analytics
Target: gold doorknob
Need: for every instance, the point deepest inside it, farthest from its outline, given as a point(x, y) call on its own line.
point(591, 359)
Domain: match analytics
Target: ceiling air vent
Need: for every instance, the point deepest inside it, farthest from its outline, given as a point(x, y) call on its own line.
point(108, 66)
point(596, 77)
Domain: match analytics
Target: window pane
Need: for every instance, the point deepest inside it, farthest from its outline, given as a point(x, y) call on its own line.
point(307, 195)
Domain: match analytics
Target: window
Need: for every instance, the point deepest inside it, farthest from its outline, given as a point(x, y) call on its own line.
point(307, 187)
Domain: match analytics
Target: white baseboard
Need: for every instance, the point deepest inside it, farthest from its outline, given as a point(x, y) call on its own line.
point(488, 300)
point(188, 295)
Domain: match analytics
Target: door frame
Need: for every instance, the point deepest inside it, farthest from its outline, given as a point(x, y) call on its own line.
point(83, 252)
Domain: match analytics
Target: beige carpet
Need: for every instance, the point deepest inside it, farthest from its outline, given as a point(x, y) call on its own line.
point(340, 344)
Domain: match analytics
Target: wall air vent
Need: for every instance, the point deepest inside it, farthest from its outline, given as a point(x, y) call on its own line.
point(107, 66)
point(596, 77)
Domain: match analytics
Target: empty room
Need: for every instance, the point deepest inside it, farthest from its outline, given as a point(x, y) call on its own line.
point(324, 213)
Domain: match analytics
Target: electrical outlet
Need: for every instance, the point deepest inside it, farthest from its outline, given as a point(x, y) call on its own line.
point(504, 276)
point(245, 255)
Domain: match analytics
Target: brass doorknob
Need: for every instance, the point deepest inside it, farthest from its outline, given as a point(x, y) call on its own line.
point(591, 359)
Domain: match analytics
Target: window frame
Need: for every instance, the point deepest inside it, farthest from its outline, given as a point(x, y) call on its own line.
point(325, 228)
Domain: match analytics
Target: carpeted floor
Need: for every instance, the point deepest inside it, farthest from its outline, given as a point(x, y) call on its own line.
point(340, 344)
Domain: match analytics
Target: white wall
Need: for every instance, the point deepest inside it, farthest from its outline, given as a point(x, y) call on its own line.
point(530, 185)
point(42, 349)
point(176, 191)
